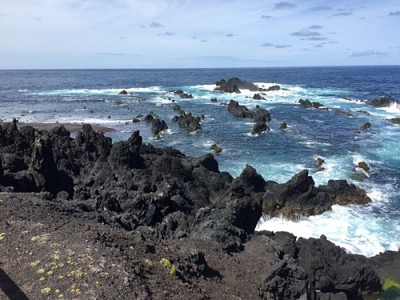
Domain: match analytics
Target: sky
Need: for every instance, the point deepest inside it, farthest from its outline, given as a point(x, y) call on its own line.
point(71, 34)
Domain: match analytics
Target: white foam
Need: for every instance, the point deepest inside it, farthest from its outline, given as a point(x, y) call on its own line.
point(394, 108)
point(346, 226)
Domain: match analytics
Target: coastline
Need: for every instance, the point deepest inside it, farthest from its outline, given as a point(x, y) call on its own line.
point(71, 127)
point(191, 225)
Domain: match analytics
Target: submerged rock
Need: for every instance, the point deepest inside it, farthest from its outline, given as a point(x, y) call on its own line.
point(394, 121)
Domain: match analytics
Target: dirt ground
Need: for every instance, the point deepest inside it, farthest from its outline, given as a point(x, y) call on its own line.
point(53, 250)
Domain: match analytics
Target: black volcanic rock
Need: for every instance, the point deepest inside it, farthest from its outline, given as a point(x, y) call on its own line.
point(182, 94)
point(385, 101)
point(188, 121)
point(242, 111)
point(233, 85)
point(123, 92)
point(328, 267)
point(300, 196)
point(274, 88)
point(259, 128)
point(366, 126)
point(308, 103)
point(258, 97)
point(157, 126)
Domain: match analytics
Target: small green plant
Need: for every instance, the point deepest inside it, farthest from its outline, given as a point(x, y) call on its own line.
point(167, 263)
point(390, 284)
point(2, 236)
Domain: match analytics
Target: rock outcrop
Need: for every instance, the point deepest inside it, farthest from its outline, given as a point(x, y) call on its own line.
point(385, 101)
point(187, 120)
point(233, 85)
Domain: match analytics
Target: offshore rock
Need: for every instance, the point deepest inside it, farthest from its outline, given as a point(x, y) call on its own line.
point(259, 127)
point(385, 101)
point(157, 126)
point(233, 85)
point(300, 196)
point(394, 121)
point(187, 120)
point(308, 103)
point(241, 111)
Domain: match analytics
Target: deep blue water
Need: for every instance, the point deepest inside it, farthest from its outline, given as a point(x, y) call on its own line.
point(92, 96)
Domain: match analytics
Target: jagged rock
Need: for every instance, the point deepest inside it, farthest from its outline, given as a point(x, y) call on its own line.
point(157, 126)
point(259, 127)
point(150, 117)
point(328, 267)
point(214, 100)
point(123, 92)
point(242, 111)
point(366, 126)
point(308, 103)
point(182, 94)
point(258, 97)
point(385, 101)
point(319, 162)
point(187, 120)
point(233, 85)
point(283, 125)
point(300, 196)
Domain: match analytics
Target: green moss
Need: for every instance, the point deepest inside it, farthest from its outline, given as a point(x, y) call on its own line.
point(166, 262)
point(390, 284)
point(2, 236)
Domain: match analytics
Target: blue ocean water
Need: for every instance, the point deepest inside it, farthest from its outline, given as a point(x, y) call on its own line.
point(91, 96)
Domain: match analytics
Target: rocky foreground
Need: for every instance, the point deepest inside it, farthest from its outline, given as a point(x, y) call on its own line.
point(86, 218)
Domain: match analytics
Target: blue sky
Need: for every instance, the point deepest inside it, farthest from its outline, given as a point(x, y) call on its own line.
point(190, 33)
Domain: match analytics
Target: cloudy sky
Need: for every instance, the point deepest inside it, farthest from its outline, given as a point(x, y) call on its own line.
point(193, 33)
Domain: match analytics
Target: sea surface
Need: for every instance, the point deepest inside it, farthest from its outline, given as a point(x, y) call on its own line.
point(91, 96)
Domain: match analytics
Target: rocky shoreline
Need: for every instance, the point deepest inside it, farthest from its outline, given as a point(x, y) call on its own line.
point(161, 202)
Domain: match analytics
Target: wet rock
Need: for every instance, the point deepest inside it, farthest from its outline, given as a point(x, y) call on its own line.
point(319, 162)
point(343, 113)
point(182, 94)
point(157, 126)
point(259, 127)
point(365, 126)
point(300, 196)
point(363, 165)
point(308, 103)
point(274, 88)
point(214, 100)
point(215, 148)
point(258, 97)
point(233, 85)
point(123, 92)
point(187, 120)
point(242, 111)
point(150, 117)
point(283, 125)
point(385, 101)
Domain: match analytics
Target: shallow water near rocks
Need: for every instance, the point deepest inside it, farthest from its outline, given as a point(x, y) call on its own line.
point(91, 96)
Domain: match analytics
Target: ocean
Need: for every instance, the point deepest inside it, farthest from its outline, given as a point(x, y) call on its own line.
point(91, 96)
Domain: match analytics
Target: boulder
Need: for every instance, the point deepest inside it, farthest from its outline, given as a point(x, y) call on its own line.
point(182, 94)
point(123, 92)
point(214, 100)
